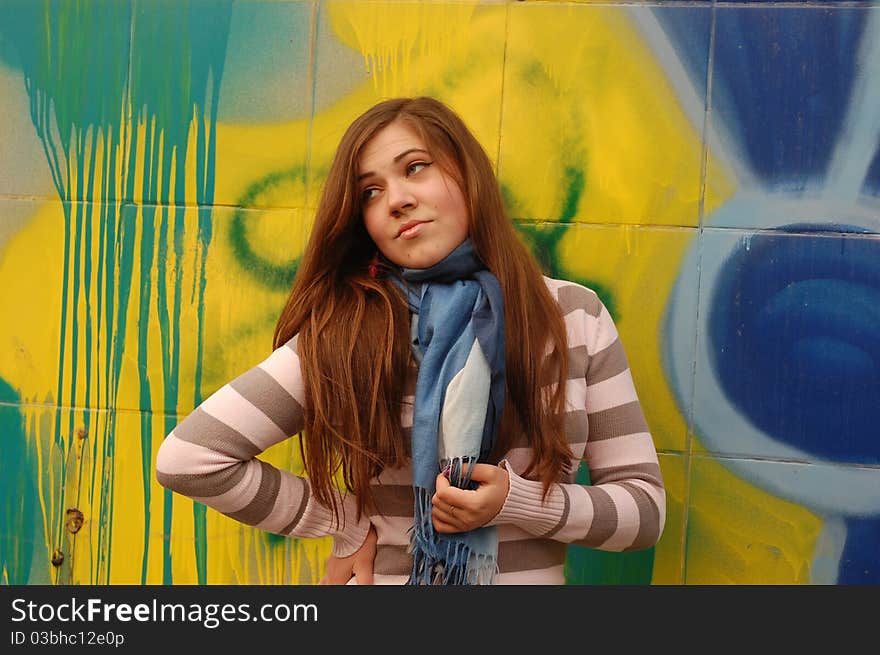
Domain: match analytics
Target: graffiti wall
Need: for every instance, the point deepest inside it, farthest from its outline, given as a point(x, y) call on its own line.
point(711, 169)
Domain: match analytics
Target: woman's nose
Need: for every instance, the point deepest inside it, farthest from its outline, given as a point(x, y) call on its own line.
point(400, 198)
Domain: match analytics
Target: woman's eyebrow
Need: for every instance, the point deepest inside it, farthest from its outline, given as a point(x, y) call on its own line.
point(407, 152)
point(395, 160)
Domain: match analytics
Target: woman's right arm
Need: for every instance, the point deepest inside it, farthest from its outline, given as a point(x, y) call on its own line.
point(211, 457)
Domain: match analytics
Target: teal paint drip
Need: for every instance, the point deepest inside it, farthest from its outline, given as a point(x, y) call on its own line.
point(121, 254)
point(19, 500)
point(148, 237)
point(178, 50)
point(206, 149)
point(88, 208)
point(100, 327)
point(84, 70)
point(74, 59)
point(206, 197)
point(65, 284)
point(71, 400)
point(200, 511)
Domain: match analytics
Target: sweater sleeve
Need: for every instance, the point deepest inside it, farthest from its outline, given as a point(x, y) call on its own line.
point(624, 506)
point(211, 457)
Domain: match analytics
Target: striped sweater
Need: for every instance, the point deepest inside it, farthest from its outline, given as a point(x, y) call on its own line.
point(211, 457)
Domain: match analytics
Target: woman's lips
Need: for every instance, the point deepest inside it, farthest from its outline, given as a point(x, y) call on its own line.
point(410, 231)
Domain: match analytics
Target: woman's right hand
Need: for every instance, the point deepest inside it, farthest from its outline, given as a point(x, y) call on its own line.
point(339, 570)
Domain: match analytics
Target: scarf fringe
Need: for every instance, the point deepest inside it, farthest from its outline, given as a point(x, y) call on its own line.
point(460, 566)
point(441, 561)
point(458, 470)
point(423, 540)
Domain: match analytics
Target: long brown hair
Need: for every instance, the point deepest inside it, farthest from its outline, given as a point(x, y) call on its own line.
point(353, 329)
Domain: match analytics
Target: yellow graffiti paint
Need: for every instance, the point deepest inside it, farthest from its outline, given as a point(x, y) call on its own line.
point(738, 534)
point(583, 91)
point(452, 51)
point(405, 45)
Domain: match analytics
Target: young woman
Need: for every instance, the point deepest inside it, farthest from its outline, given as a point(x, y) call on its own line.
point(423, 356)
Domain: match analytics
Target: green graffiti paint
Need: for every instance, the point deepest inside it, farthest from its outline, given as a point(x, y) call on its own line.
point(605, 295)
point(574, 188)
point(200, 535)
point(533, 73)
point(277, 277)
point(543, 238)
point(276, 540)
point(585, 566)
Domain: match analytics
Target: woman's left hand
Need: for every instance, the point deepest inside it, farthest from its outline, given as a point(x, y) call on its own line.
point(460, 510)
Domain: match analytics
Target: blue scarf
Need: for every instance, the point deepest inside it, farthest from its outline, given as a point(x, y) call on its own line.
point(458, 341)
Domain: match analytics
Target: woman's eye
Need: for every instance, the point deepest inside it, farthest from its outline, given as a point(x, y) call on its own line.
point(369, 194)
point(416, 166)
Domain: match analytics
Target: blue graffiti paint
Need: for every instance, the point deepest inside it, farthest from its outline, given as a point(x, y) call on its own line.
point(794, 341)
point(688, 29)
point(793, 329)
point(858, 562)
point(872, 180)
point(782, 79)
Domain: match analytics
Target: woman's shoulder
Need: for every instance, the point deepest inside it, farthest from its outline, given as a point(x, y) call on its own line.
point(572, 296)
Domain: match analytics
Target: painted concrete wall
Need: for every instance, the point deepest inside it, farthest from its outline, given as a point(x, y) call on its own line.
point(710, 168)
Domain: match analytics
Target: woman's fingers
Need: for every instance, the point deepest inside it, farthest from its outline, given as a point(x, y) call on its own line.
point(363, 573)
point(364, 558)
point(448, 518)
point(449, 494)
point(466, 509)
point(358, 565)
point(445, 525)
point(484, 473)
point(336, 572)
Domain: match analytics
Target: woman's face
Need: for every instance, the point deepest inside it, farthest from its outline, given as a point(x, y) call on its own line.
point(415, 213)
